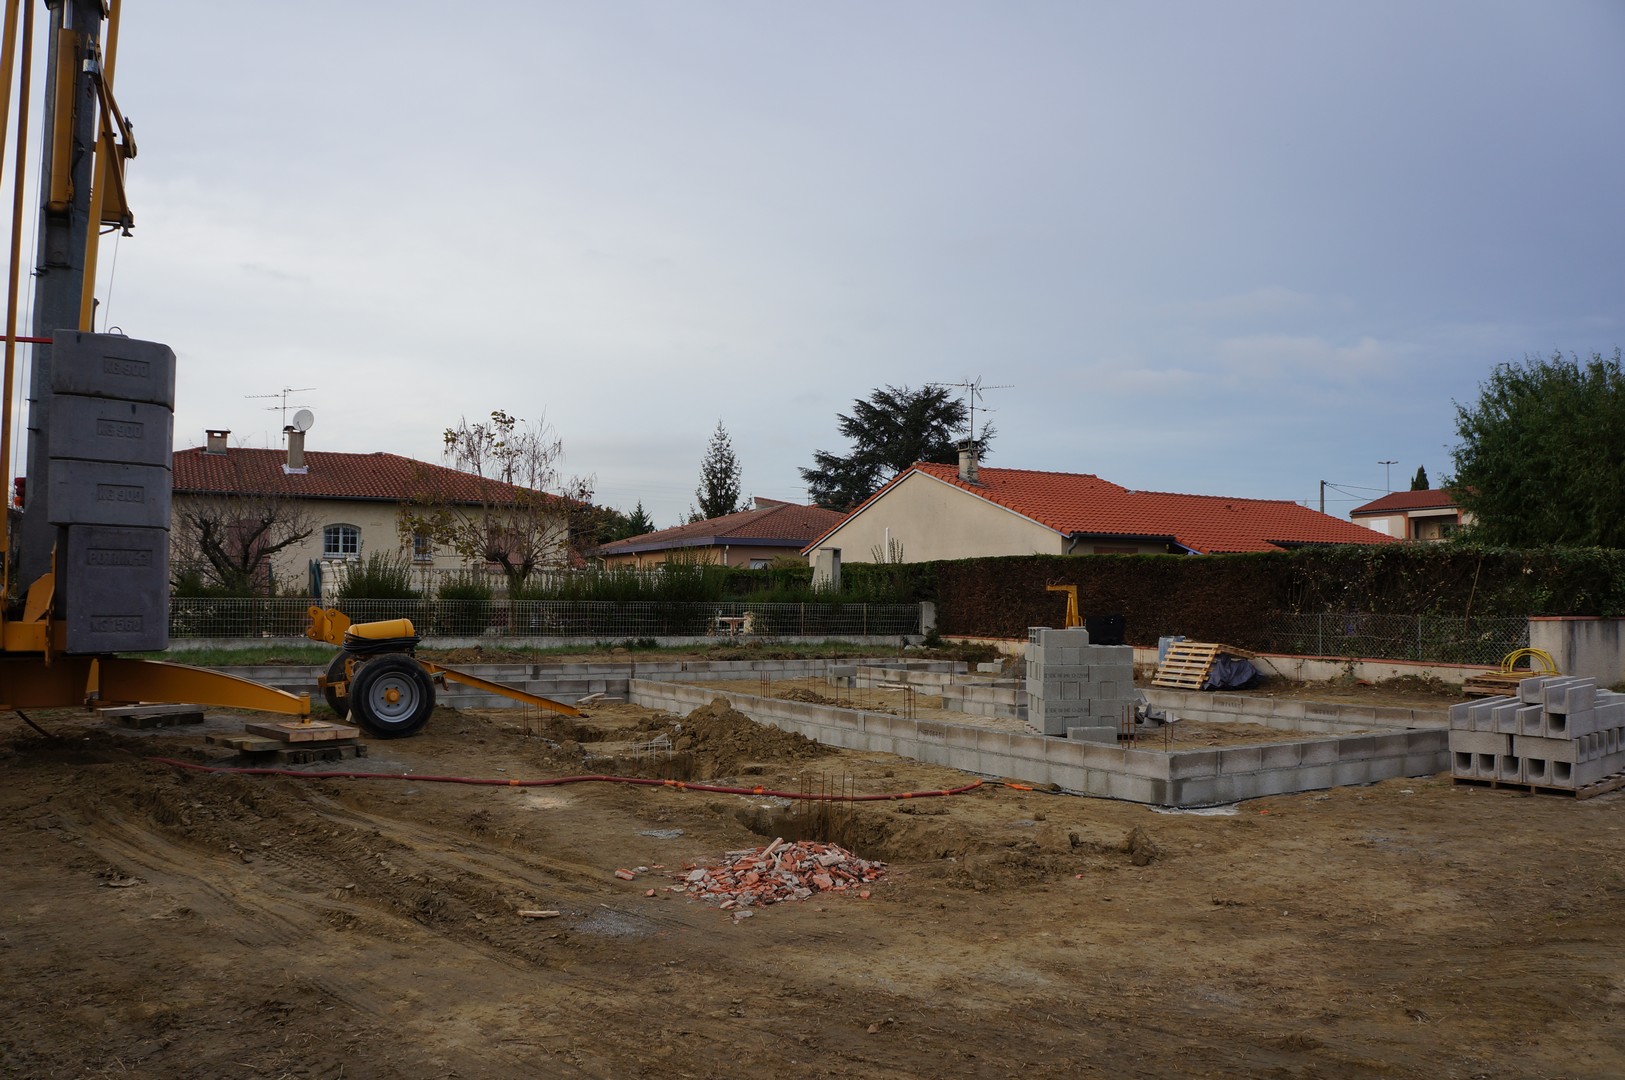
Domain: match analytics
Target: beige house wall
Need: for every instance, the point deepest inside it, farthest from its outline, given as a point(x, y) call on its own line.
point(1416, 524)
point(932, 520)
point(725, 555)
point(379, 526)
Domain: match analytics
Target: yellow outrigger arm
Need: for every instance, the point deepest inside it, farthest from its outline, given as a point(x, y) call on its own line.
point(27, 682)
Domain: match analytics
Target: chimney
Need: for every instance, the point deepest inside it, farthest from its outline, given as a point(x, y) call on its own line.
point(968, 464)
point(217, 441)
point(296, 451)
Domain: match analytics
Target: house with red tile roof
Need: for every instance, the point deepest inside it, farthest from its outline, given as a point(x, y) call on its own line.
point(751, 538)
point(939, 512)
point(350, 503)
point(1413, 515)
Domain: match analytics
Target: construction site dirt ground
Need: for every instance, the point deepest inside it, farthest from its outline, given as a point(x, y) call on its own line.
point(162, 922)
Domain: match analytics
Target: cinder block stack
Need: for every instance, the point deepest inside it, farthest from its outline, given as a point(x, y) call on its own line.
point(1557, 732)
point(1074, 688)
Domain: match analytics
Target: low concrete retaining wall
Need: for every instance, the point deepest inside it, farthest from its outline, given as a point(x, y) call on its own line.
point(1182, 778)
point(1589, 647)
point(1288, 715)
point(571, 682)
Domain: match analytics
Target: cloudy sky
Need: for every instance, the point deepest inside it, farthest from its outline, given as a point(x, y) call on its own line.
point(1230, 248)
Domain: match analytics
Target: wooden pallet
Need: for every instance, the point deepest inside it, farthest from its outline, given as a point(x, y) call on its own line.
point(1497, 683)
point(1186, 664)
point(1591, 790)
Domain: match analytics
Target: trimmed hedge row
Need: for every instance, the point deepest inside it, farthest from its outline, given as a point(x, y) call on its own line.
point(1235, 597)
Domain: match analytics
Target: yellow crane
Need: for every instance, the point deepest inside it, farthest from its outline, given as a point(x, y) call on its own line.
point(89, 534)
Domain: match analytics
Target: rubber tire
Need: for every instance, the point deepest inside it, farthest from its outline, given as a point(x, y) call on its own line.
point(335, 673)
point(371, 707)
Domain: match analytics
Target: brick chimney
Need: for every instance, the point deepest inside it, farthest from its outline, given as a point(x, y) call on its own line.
point(296, 451)
point(968, 465)
point(217, 440)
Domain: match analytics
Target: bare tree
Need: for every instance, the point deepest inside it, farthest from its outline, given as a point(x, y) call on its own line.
point(229, 541)
point(503, 501)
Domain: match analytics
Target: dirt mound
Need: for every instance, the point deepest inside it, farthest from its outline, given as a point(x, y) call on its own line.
point(810, 696)
point(726, 737)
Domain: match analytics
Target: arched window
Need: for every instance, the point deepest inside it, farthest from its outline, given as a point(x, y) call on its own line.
point(341, 542)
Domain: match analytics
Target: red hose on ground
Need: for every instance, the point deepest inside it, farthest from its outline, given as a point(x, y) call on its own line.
point(642, 781)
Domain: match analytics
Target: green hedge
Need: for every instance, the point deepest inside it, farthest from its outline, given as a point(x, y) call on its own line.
point(1235, 597)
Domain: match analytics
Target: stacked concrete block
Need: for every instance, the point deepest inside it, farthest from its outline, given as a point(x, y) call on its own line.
point(1557, 732)
point(1073, 684)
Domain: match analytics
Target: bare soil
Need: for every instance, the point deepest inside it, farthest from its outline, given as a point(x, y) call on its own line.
point(162, 922)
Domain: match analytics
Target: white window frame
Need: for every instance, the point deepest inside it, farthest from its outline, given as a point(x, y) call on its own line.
point(333, 541)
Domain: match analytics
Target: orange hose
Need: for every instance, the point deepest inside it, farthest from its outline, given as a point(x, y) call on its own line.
point(642, 781)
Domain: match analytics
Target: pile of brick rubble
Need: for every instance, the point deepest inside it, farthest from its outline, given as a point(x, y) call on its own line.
point(779, 871)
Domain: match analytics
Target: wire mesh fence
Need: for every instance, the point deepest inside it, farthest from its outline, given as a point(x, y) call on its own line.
point(191, 617)
point(1438, 639)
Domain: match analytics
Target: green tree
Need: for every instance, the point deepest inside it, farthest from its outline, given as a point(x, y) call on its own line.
point(718, 492)
point(1419, 482)
point(1542, 452)
point(638, 522)
point(614, 525)
point(891, 430)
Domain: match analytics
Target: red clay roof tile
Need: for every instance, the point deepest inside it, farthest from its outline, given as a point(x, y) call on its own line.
point(774, 525)
point(379, 477)
point(1082, 504)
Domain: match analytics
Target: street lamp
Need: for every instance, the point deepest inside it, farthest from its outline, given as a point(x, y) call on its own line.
point(1388, 473)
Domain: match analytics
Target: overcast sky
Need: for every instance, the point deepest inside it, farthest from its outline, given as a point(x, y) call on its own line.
point(1225, 248)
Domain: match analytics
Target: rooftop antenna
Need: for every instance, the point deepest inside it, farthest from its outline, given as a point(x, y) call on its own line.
point(283, 396)
point(973, 393)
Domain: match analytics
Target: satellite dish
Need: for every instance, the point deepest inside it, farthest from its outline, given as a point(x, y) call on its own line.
point(304, 420)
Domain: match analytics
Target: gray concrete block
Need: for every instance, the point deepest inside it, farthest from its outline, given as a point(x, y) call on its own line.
point(1531, 691)
point(1193, 764)
point(1105, 735)
point(1503, 716)
point(1463, 764)
point(1576, 696)
point(1508, 768)
point(1314, 778)
point(1481, 742)
point(1318, 751)
point(1533, 746)
point(1531, 720)
point(1356, 747)
point(1240, 759)
point(1537, 771)
point(1347, 772)
point(1282, 755)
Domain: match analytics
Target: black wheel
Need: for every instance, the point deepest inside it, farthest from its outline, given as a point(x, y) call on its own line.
point(391, 696)
point(335, 673)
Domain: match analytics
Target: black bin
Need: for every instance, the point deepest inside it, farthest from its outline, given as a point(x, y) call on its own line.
point(1104, 629)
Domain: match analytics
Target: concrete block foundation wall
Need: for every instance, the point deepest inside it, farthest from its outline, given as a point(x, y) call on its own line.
point(1182, 778)
point(1558, 732)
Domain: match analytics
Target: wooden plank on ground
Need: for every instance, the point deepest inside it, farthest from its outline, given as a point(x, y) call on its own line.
point(153, 715)
point(296, 731)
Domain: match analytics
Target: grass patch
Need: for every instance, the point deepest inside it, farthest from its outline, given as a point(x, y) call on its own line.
point(250, 656)
point(319, 655)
